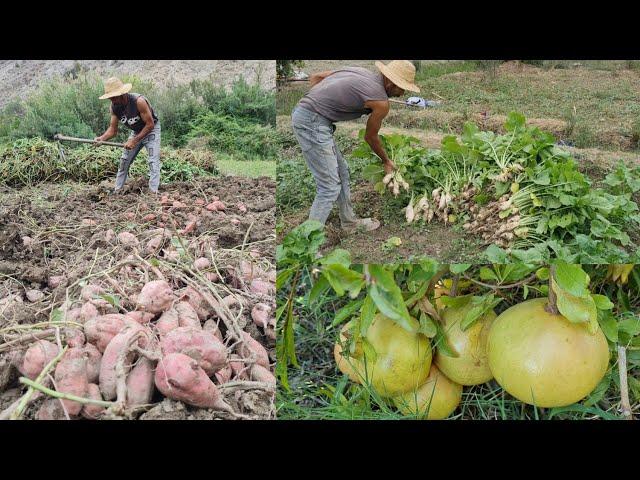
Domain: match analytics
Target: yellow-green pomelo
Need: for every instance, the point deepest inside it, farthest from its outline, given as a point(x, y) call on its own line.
point(543, 359)
point(471, 366)
point(437, 398)
point(401, 362)
point(349, 365)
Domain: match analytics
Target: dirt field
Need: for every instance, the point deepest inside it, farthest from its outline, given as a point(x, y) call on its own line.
point(69, 230)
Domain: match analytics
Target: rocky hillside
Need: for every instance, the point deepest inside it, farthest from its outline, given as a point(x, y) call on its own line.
point(18, 77)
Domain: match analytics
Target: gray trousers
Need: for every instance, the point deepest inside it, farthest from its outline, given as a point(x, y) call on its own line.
point(152, 143)
point(328, 167)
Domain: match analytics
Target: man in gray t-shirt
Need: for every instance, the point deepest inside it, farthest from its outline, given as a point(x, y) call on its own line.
point(336, 96)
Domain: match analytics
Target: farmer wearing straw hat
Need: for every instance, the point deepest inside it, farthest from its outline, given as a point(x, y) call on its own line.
point(339, 95)
point(134, 111)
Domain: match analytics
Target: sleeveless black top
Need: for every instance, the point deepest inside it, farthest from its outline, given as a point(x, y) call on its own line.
point(129, 114)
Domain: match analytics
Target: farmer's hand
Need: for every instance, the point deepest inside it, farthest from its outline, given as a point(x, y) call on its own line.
point(98, 141)
point(389, 166)
point(130, 144)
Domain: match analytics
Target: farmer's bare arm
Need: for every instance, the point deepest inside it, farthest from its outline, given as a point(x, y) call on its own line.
point(110, 132)
point(316, 78)
point(379, 110)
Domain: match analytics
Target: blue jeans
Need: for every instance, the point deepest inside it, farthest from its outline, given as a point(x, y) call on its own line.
point(152, 143)
point(328, 167)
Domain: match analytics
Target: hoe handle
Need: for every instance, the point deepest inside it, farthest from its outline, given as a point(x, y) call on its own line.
point(58, 136)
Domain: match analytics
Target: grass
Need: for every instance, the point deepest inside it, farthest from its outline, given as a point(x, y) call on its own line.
point(247, 168)
point(601, 92)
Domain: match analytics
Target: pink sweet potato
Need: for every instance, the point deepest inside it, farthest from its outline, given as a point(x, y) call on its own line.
point(140, 383)
point(202, 346)
point(201, 263)
point(212, 326)
point(189, 227)
point(90, 410)
point(109, 236)
point(88, 312)
point(212, 277)
point(74, 337)
point(199, 201)
point(34, 295)
point(224, 374)
point(187, 315)
point(179, 377)
point(117, 348)
point(100, 330)
point(128, 239)
point(251, 347)
point(155, 297)
point(75, 315)
point(71, 377)
point(55, 281)
point(216, 206)
point(260, 287)
point(37, 357)
point(261, 374)
point(260, 315)
point(51, 409)
point(91, 291)
point(93, 357)
point(242, 207)
point(141, 317)
point(149, 217)
point(167, 322)
point(199, 304)
point(154, 244)
point(238, 367)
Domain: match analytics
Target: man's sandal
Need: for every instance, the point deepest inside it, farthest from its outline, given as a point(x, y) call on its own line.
point(362, 225)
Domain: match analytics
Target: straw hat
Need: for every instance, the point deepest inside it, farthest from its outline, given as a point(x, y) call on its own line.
point(400, 72)
point(113, 87)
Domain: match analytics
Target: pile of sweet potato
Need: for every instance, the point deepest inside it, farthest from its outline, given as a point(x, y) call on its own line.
point(177, 341)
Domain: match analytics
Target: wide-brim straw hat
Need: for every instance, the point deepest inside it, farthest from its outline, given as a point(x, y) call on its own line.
point(114, 87)
point(401, 72)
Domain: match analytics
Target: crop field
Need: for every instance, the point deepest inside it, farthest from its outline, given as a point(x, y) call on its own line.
point(556, 140)
point(135, 305)
point(456, 341)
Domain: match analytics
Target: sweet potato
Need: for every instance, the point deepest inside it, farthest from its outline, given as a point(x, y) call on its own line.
point(251, 347)
point(238, 367)
point(201, 263)
point(27, 241)
point(179, 377)
point(101, 329)
point(202, 346)
point(51, 409)
point(34, 295)
point(224, 374)
point(261, 374)
point(187, 315)
point(260, 287)
point(199, 304)
point(260, 315)
point(88, 312)
point(74, 315)
point(71, 377)
point(212, 326)
point(216, 206)
point(199, 202)
point(154, 244)
point(109, 236)
point(140, 383)
point(167, 322)
point(37, 357)
point(189, 227)
point(93, 357)
point(271, 275)
point(211, 276)
point(55, 281)
point(141, 317)
point(128, 239)
point(242, 207)
point(155, 297)
point(118, 347)
point(89, 410)
point(149, 217)
point(74, 337)
point(91, 291)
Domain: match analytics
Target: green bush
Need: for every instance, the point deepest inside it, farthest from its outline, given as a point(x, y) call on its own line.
point(236, 136)
point(243, 101)
point(176, 107)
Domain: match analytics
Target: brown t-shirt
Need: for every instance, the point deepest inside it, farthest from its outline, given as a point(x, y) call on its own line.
point(341, 95)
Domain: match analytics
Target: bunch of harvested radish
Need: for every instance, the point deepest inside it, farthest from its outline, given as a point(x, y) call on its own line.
point(394, 181)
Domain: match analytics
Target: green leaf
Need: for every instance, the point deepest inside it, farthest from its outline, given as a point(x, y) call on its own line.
point(370, 354)
point(487, 274)
point(56, 316)
point(572, 279)
point(113, 300)
point(388, 298)
point(577, 309)
point(367, 314)
point(609, 325)
point(455, 302)
point(480, 305)
point(320, 287)
point(457, 268)
point(602, 302)
point(442, 344)
point(339, 256)
point(427, 326)
point(343, 279)
point(525, 292)
point(599, 392)
point(283, 276)
point(346, 312)
point(543, 273)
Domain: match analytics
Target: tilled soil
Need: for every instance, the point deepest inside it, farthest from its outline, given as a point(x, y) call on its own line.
point(72, 231)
